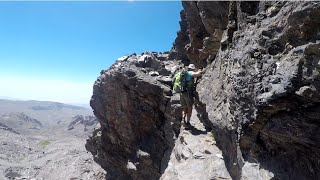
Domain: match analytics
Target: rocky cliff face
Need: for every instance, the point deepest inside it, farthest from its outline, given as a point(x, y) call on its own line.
point(138, 117)
point(259, 94)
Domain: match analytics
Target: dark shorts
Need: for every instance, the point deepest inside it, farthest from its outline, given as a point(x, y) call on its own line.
point(186, 100)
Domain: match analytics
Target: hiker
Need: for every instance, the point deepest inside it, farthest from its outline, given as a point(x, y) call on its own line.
point(187, 94)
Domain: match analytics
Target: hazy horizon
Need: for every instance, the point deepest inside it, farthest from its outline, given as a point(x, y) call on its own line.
point(54, 51)
point(85, 105)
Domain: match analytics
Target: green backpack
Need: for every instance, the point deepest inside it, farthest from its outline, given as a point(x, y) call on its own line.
point(180, 83)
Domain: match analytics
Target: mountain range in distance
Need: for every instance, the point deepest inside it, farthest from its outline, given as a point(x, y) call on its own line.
point(85, 105)
point(21, 115)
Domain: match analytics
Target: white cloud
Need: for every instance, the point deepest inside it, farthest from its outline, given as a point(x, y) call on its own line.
point(46, 90)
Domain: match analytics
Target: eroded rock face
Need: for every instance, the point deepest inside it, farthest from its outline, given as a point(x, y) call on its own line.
point(261, 93)
point(138, 117)
point(206, 22)
point(178, 50)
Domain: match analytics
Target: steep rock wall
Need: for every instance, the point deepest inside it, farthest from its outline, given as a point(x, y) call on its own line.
point(202, 25)
point(261, 93)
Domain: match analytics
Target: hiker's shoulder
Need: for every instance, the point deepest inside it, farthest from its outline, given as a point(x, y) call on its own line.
point(190, 73)
point(197, 73)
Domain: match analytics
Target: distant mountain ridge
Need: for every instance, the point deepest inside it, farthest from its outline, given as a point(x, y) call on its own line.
point(86, 121)
point(6, 128)
point(19, 122)
point(9, 98)
point(42, 114)
point(43, 105)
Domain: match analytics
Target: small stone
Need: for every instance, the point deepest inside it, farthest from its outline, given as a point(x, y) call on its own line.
point(123, 58)
point(185, 154)
point(131, 166)
point(272, 11)
point(153, 73)
point(198, 155)
point(219, 156)
point(142, 153)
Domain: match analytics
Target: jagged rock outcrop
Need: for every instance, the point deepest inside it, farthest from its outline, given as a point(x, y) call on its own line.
point(87, 122)
point(202, 25)
point(139, 119)
point(178, 51)
point(259, 94)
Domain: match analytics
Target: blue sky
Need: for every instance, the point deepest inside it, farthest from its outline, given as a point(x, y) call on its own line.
point(56, 50)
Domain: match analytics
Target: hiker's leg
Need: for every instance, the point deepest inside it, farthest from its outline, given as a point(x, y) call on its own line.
point(190, 104)
point(184, 106)
point(189, 112)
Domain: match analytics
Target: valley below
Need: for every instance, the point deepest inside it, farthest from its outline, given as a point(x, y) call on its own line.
point(45, 147)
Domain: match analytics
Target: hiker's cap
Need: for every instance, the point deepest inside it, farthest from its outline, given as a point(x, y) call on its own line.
point(192, 67)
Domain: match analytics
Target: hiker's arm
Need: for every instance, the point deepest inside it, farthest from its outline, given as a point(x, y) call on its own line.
point(173, 80)
point(197, 74)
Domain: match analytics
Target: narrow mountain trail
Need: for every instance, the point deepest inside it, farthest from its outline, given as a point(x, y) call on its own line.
point(195, 155)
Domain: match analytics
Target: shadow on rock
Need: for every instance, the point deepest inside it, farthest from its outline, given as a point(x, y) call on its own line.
point(194, 131)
